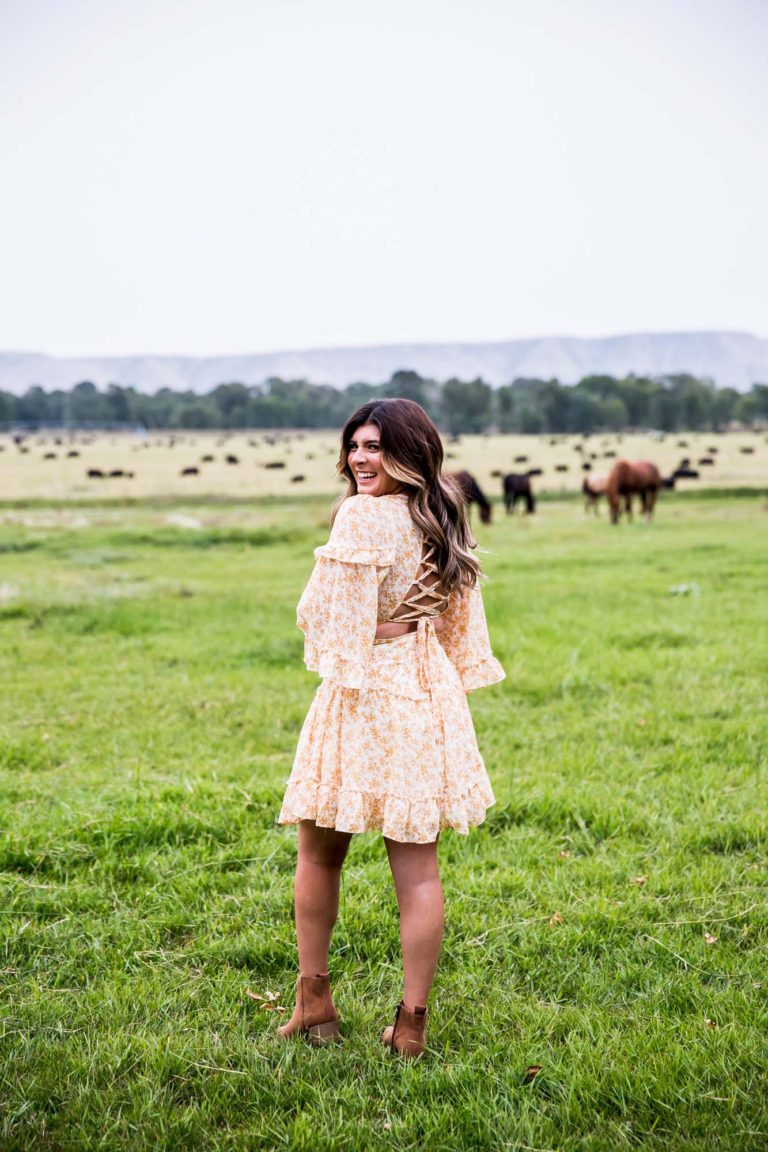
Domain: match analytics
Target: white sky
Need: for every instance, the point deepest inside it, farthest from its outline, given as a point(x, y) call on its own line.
point(231, 176)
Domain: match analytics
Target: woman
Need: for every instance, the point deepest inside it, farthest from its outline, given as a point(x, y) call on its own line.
point(388, 742)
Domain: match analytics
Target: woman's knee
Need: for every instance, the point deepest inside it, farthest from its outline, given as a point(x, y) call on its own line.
point(413, 864)
point(324, 847)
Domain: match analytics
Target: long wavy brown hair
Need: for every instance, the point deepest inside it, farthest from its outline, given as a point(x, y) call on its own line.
point(412, 454)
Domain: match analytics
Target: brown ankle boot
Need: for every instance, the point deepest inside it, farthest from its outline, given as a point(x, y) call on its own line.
point(315, 1014)
point(408, 1034)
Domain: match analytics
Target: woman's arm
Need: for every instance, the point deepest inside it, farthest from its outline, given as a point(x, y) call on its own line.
point(339, 607)
point(465, 640)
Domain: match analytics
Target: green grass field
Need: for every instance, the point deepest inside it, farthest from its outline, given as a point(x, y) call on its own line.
point(608, 925)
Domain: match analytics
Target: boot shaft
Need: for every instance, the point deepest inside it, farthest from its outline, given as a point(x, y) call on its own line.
point(315, 1000)
point(409, 1035)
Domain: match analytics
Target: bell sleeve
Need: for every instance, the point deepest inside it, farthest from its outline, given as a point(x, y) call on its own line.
point(338, 609)
point(465, 640)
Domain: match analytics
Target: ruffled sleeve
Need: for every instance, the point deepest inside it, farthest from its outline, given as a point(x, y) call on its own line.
point(338, 609)
point(464, 637)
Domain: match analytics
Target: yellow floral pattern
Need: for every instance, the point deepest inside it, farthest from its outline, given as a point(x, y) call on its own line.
point(388, 742)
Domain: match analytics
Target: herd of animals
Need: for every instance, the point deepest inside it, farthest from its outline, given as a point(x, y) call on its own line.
point(625, 480)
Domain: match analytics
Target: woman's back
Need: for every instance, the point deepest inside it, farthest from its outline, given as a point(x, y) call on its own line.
point(380, 528)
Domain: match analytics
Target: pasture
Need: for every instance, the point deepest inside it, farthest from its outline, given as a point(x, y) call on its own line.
point(603, 981)
point(285, 464)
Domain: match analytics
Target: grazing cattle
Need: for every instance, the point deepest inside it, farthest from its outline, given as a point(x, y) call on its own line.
point(746, 451)
point(535, 471)
point(232, 459)
point(298, 479)
point(280, 463)
point(190, 472)
point(561, 467)
point(705, 460)
point(521, 460)
point(594, 486)
point(610, 454)
point(518, 487)
point(473, 493)
point(95, 474)
point(73, 453)
point(629, 478)
point(586, 466)
point(682, 474)
point(206, 459)
point(713, 449)
point(49, 456)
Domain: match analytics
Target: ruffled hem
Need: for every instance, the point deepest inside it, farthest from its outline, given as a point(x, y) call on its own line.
point(397, 818)
point(482, 675)
point(333, 666)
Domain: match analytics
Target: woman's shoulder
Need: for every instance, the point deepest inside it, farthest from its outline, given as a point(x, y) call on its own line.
point(368, 511)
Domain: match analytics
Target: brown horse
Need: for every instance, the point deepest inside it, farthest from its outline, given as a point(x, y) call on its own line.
point(473, 493)
point(629, 478)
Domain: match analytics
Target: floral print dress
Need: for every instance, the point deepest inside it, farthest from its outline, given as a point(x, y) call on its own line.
point(388, 742)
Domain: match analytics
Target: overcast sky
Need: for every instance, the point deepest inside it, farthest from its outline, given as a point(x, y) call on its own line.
point(231, 176)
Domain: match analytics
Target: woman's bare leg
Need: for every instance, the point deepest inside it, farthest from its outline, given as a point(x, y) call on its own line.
point(420, 899)
point(316, 892)
point(322, 852)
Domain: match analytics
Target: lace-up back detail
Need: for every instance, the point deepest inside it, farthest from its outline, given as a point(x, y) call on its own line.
point(425, 597)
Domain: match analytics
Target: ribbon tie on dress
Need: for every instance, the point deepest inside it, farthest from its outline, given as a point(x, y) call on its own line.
point(425, 630)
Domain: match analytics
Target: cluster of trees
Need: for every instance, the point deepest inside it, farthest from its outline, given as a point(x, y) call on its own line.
point(595, 404)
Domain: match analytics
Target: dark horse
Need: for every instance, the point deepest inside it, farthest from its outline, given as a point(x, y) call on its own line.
point(517, 486)
point(632, 478)
point(473, 494)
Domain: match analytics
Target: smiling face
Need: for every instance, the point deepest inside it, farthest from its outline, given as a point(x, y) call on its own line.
point(364, 461)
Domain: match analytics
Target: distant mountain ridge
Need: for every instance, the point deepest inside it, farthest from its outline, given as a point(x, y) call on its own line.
point(736, 359)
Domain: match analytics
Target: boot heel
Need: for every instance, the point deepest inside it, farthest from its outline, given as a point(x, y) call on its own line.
point(327, 1033)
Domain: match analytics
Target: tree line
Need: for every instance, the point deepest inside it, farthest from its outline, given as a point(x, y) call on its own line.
point(596, 404)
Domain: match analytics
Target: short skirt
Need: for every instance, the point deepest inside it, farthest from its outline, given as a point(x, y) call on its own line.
point(399, 754)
